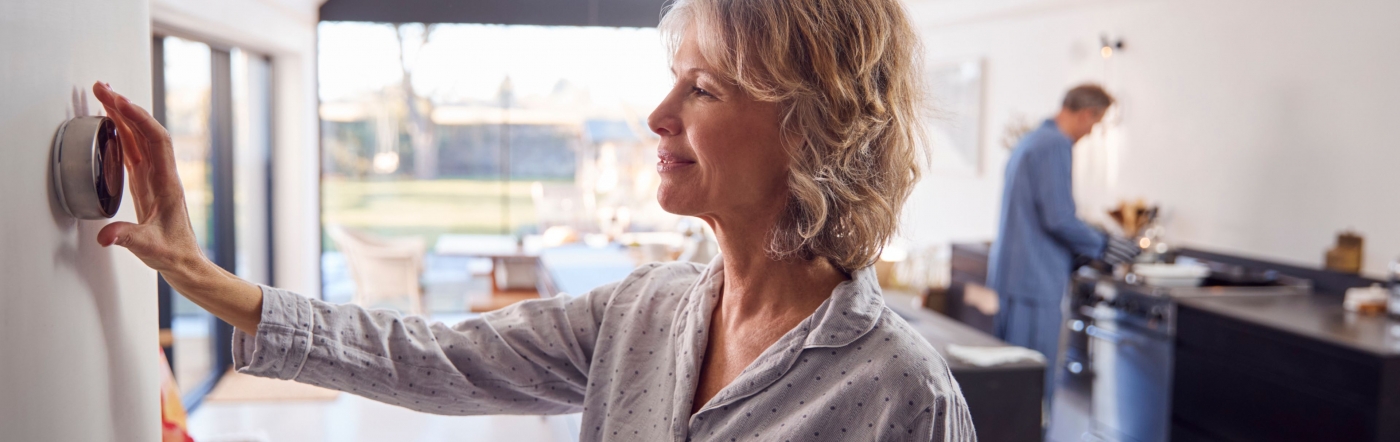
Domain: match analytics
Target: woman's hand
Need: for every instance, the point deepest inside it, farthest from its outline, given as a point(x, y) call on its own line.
point(162, 236)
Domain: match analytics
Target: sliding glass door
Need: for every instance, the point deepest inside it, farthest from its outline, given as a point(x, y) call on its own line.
point(215, 102)
point(469, 130)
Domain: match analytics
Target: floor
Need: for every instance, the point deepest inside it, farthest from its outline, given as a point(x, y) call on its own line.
point(351, 418)
point(448, 288)
point(192, 346)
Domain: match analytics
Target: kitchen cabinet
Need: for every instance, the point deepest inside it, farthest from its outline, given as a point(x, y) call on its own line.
point(1297, 368)
point(1285, 368)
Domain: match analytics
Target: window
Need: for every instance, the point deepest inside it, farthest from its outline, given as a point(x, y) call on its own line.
point(430, 130)
point(215, 104)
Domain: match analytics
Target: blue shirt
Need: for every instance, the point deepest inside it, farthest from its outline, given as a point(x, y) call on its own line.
point(1039, 234)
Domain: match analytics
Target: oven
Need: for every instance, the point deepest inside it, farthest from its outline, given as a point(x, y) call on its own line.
point(1132, 380)
point(1115, 379)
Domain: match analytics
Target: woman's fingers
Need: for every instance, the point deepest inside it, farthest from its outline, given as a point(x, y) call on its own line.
point(158, 176)
point(133, 151)
point(121, 233)
point(149, 133)
point(142, 240)
point(109, 100)
point(164, 237)
point(140, 121)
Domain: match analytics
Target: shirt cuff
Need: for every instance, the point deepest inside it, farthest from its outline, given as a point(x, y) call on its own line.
point(283, 340)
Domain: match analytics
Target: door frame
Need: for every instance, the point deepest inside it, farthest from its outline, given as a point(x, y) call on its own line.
point(223, 246)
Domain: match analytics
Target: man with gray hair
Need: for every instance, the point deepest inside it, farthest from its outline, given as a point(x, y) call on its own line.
point(1040, 238)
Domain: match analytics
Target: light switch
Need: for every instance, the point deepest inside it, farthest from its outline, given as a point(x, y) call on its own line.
point(88, 174)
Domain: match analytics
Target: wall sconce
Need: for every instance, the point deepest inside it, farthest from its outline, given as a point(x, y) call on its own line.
point(1108, 46)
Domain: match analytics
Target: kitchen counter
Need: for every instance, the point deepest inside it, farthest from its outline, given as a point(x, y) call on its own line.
point(1265, 352)
point(1319, 317)
point(1294, 367)
point(1005, 400)
point(942, 331)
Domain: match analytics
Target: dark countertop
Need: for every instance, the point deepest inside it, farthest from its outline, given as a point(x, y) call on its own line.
point(1004, 400)
point(941, 331)
point(1315, 316)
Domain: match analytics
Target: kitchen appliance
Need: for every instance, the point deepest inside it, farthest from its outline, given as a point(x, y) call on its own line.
point(1116, 373)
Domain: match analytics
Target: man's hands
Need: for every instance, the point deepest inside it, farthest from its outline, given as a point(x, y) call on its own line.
point(1120, 250)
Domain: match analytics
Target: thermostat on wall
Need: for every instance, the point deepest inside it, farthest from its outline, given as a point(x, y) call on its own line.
point(87, 167)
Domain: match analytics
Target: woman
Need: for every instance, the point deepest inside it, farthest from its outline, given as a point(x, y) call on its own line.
point(791, 131)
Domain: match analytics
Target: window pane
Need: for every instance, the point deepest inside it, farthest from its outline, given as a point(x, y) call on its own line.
point(252, 144)
point(187, 108)
point(486, 129)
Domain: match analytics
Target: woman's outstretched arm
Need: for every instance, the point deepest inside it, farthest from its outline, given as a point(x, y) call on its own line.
point(530, 358)
point(162, 237)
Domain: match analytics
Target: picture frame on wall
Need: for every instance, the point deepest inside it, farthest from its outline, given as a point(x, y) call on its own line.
point(955, 92)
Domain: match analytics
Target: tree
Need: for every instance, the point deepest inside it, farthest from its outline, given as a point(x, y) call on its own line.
point(422, 132)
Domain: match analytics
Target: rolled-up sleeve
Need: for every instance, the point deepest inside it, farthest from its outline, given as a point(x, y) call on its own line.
point(280, 347)
point(530, 358)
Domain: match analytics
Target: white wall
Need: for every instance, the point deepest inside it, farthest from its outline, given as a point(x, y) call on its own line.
point(286, 31)
point(1264, 128)
point(78, 358)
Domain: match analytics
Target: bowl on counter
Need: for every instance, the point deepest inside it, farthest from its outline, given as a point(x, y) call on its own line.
point(1171, 275)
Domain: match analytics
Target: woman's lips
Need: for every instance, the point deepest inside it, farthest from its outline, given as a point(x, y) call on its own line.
point(669, 162)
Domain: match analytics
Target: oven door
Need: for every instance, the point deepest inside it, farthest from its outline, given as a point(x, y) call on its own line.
point(1131, 398)
point(1071, 413)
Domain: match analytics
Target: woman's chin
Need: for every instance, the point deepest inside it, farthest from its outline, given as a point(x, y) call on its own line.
point(674, 200)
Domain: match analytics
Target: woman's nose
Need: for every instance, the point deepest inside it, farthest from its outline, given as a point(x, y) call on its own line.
point(663, 120)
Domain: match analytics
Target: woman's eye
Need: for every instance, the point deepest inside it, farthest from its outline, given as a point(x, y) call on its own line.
point(701, 92)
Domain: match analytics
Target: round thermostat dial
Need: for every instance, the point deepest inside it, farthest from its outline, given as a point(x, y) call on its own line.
point(88, 174)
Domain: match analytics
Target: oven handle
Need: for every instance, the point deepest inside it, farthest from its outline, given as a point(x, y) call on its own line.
point(1111, 337)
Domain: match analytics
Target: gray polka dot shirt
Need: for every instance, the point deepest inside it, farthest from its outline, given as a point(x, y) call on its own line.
point(627, 355)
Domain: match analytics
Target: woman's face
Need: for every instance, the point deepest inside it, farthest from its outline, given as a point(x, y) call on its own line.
point(720, 152)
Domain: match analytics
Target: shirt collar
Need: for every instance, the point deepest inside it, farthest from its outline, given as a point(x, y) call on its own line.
point(849, 313)
point(852, 309)
point(1055, 129)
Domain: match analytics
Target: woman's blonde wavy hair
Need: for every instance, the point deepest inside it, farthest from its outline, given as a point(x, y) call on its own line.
point(847, 74)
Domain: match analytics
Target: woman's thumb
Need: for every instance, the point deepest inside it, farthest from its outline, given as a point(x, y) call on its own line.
point(120, 233)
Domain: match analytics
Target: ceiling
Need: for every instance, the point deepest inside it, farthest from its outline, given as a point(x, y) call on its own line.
point(623, 13)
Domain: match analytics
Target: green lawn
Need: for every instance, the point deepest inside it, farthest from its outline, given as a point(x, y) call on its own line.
point(427, 207)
